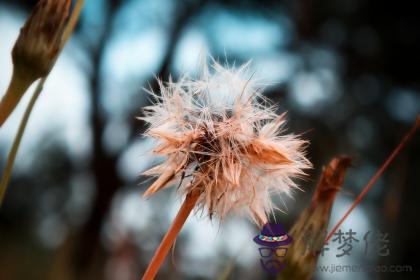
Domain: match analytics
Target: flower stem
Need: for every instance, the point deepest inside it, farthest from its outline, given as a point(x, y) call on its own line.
point(170, 236)
point(17, 87)
point(12, 155)
point(375, 177)
point(16, 142)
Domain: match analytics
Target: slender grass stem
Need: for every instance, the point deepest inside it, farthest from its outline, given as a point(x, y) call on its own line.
point(170, 236)
point(13, 152)
point(375, 177)
point(72, 21)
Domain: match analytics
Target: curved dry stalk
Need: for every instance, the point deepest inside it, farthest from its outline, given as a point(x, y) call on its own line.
point(16, 142)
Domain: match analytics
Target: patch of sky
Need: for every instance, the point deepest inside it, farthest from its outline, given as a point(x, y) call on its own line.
point(241, 36)
point(311, 91)
point(137, 15)
point(244, 34)
point(93, 20)
point(129, 60)
point(188, 52)
point(316, 84)
point(359, 223)
point(403, 104)
point(136, 159)
point(134, 52)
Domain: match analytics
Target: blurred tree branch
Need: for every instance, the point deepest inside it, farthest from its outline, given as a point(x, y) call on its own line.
point(103, 165)
point(184, 14)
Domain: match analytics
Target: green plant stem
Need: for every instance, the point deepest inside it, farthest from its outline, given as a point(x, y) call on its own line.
point(17, 87)
point(13, 152)
point(12, 155)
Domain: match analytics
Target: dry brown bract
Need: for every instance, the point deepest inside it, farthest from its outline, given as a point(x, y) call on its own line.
point(223, 139)
point(37, 46)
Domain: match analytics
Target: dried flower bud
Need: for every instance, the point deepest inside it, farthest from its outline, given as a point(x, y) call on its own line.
point(309, 231)
point(37, 46)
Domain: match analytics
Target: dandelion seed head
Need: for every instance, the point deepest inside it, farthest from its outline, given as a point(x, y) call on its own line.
point(222, 138)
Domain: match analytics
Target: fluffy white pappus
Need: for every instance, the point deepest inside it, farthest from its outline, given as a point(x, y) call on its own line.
point(223, 139)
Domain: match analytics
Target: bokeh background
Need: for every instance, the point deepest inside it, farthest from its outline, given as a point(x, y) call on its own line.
point(346, 71)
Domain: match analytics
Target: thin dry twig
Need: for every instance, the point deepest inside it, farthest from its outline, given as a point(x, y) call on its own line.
point(375, 177)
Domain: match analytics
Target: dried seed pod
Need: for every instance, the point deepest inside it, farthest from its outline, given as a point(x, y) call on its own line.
point(40, 39)
point(35, 50)
point(309, 231)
